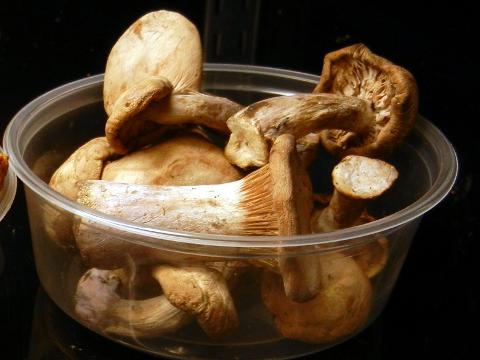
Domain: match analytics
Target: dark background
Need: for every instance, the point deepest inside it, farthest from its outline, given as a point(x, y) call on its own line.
point(434, 308)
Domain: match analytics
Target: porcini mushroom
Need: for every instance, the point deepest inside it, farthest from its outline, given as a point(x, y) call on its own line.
point(256, 127)
point(340, 308)
point(357, 180)
point(390, 90)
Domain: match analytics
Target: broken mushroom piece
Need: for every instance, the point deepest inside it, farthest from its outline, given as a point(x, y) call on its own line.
point(357, 180)
point(144, 106)
point(257, 126)
point(86, 162)
point(340, 308)
point(186, 159)
point(390, 90)
point(202, 293)
point(161, 43)
point(99, 305)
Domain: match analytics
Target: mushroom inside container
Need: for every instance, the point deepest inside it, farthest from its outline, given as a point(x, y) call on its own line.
point(73, 114)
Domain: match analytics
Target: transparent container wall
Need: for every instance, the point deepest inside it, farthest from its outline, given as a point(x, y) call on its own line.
point(365, 268)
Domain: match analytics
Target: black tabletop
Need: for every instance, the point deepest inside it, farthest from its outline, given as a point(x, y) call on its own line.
point(434, 305)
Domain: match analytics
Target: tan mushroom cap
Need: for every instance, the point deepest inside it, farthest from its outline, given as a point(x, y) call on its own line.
point(202, 293)
point(363, 178)
point(161, 43)
point(257, 126)
point(341, 307)
point(186, 159)
point(391, 90)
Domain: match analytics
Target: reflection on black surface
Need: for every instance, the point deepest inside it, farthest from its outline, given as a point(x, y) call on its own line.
point(54, 335)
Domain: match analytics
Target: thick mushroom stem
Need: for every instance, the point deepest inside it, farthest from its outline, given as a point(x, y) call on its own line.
point(99, 305)
point(256, 127)
point(239, 207)
point(357, 180)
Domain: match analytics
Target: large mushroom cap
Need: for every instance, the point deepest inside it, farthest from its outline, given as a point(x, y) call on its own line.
point(185, 159)
point(392, 91)
point(161, 43)
point(341, 307)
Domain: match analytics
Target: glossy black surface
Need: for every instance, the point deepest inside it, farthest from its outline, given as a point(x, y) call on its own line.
point(434, 308)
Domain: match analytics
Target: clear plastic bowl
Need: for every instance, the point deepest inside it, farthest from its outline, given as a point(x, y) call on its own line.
point(47, 130)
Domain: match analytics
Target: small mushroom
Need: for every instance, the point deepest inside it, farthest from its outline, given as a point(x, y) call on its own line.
point(161, 43)
point(257, 126)
point(357, 180)
point(340, 308)
point(390, 90)
point(202, 293)
point(99, 305)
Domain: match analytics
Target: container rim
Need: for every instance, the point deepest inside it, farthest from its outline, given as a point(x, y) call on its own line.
point(441, 185)
point(7, 193)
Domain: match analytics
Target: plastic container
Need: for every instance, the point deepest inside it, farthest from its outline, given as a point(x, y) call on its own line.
point(42, 135)
point(7, 194)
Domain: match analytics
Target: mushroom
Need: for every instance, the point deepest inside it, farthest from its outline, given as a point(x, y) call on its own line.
point(153, 76)
point(99, 305)
point(390, 90)
point(357, 180)
point(202, 293)
point(161, 43)
point(340, 308)
point(257, 126)
point(86, 162)
point(254, 205)
point(185, 159)
point(189, 292)
point(145, 106)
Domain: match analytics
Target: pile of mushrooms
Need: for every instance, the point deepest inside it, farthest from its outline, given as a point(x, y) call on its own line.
point(159, 166)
